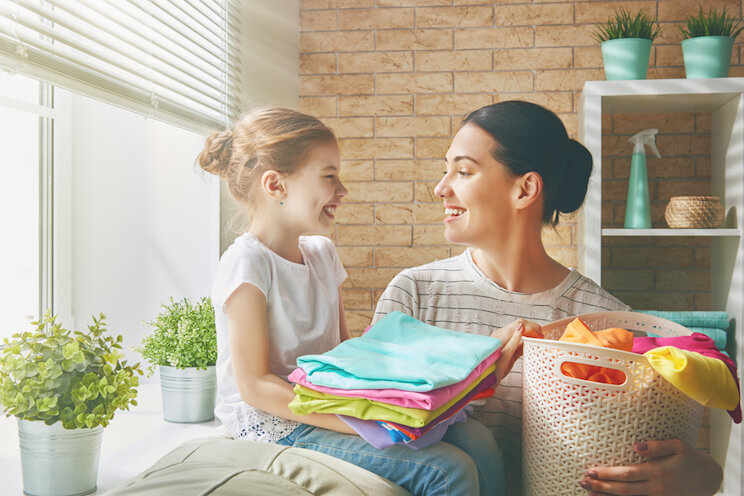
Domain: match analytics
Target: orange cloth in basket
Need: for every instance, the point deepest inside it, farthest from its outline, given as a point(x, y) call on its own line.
point(578, 332)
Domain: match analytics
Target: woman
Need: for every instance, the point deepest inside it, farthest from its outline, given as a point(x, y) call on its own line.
point(511, 169)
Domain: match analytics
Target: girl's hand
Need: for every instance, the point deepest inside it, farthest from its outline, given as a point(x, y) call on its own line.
point(511, 343)
point(678, 469)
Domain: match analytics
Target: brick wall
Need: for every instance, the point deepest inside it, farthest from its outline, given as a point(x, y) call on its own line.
point(394, 79)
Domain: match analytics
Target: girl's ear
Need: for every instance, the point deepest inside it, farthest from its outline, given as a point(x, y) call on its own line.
point(272, 184)
point(530, 188)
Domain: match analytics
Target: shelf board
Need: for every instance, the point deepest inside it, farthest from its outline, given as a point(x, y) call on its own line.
point(660, 231)
point(664, 95)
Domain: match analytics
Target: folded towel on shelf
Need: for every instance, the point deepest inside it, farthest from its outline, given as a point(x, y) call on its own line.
point(713, 324)
point(693, 318)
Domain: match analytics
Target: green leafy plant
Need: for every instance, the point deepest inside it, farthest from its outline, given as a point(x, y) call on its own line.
point(54, 375)
point(711, 24)
point(184, 336)
point(627, 25)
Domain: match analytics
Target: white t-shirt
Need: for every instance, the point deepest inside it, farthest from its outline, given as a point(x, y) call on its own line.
point(302, 313)
point(454, 294)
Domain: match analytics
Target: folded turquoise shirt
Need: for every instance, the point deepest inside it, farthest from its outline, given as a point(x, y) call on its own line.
point(399, 352)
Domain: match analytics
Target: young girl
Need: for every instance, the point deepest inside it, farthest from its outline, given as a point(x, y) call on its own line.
point(277, 296)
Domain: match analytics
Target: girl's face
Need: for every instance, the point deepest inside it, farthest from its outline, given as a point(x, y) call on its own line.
point(477, 190)
point(314, 191)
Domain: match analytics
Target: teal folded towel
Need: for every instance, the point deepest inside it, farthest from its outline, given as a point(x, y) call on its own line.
point(711, 323)
point(399, 352)
point(694, 318)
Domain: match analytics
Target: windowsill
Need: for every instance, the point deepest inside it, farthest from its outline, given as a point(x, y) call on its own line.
point(133, 441)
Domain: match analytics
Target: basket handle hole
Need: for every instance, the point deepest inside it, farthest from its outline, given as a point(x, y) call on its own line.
point(593, 373)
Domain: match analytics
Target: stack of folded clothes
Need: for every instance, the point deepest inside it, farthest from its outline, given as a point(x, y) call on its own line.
point(401, 382)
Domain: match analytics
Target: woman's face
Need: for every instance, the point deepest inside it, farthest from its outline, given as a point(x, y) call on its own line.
point(477, 190)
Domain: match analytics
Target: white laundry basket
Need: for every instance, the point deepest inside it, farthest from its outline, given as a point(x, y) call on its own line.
point(570, 425)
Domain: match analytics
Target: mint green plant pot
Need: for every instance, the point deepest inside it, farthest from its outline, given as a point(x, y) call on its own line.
point(626, 58)
point(707, 56)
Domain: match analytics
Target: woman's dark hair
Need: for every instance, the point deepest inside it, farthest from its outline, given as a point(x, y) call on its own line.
point(532, 138)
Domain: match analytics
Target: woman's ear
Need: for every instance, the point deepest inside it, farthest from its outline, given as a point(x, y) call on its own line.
point(273, 186)
point(530, 189)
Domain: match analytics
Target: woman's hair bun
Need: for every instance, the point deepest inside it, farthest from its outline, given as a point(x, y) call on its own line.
point(217, 152)
point(578, 168)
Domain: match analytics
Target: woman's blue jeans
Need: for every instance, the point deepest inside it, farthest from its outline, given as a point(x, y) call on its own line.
point(477, 440)
point(441, 469)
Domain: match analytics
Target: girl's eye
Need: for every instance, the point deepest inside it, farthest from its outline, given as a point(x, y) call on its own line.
point(464, 173)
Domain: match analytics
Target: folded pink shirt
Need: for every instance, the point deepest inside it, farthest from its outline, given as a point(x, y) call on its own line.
point(428, 400)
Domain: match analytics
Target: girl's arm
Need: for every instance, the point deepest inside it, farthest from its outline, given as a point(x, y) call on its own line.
point(343, 328)
point(248, 332)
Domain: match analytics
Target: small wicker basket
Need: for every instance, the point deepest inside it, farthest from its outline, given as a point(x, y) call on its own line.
point(694, 212)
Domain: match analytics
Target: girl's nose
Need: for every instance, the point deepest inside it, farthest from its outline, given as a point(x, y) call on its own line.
point(341, 190)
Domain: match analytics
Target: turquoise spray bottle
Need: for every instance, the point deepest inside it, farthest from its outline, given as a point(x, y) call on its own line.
point(638, 205)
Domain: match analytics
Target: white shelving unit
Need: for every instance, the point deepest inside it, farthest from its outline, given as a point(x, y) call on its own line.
point(724, 99)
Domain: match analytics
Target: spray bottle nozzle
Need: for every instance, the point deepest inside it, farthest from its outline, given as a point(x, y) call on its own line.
point(645, 137)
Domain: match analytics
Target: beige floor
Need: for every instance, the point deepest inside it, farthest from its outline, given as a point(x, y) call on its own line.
point(132, 441)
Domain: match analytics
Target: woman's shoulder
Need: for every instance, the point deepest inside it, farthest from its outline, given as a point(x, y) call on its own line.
point(584, 291)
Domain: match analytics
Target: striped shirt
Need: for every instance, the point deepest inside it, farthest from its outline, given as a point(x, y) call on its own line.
point(454, 294)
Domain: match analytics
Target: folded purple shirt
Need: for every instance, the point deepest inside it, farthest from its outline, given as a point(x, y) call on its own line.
point(697, 342)
point(376, 435)
point(428, 400)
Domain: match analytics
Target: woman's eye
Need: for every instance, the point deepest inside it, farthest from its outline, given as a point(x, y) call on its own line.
point(464, 173)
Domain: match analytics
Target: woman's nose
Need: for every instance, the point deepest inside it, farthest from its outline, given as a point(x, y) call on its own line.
point(442, 189)
point(341, 190)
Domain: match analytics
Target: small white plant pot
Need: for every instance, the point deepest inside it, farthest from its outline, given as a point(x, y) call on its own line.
point(189, 394)
point(58, 462)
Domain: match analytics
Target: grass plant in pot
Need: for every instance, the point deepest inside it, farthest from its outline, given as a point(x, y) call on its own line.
point(707, 43)
point(64, 387)
point(626, 40)
point(183, 345)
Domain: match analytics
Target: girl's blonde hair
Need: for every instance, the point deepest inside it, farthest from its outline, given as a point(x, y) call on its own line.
point(272, 138)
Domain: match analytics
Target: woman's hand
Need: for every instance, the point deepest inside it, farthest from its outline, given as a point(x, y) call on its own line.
point(511, 343)
point(678, 469)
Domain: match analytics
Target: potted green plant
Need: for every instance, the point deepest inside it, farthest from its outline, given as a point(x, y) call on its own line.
point(626, 44)
point(707, 43)
point(183, 345)
point(64, 387)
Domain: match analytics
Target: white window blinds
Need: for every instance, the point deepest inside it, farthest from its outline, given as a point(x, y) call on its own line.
point(175, 60)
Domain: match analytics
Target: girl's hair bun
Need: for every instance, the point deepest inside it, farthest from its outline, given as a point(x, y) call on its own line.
point(217, 152)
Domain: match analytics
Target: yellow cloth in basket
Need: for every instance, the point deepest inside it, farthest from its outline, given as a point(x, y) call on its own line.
point(707, 380)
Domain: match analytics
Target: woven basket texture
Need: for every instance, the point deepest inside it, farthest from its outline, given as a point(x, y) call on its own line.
point(694, 212)
point(570, 425)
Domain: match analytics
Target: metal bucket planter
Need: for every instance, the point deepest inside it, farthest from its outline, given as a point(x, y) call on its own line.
point(707, 56)
point(188, 394)
point(56, 461)
point(626, 58)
